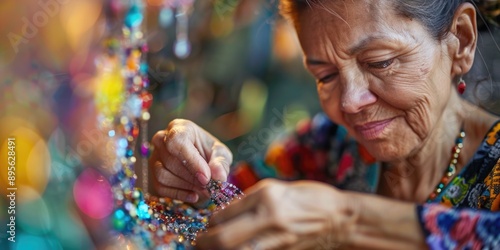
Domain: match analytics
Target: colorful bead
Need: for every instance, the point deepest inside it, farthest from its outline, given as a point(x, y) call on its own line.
point(452, 168)
point(134, 17)
point(123, 103)
point(147, 100)
point(145, 149)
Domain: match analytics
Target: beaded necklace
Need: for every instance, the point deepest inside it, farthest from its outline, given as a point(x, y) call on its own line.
point(452, 168)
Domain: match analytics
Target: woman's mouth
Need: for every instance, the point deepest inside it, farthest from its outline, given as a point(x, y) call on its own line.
point(372, 130)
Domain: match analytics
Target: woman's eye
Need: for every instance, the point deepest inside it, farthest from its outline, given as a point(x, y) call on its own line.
point(327, 78)
point(381, 65)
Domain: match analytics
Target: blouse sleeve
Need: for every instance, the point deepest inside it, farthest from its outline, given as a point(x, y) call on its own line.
point(459, 228)
point(318, 150)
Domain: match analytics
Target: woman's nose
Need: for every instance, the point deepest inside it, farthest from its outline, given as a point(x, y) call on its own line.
point(356, 94)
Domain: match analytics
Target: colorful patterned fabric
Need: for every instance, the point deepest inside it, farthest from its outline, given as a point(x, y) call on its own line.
point(464, 216)
point(318, 150)
point(474, 221)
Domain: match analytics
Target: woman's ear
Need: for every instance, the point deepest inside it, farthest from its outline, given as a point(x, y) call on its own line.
point(464, 32)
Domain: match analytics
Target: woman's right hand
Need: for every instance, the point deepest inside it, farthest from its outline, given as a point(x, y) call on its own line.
point(184, 159)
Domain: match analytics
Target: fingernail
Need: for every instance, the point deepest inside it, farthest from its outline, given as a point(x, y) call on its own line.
point(202, 179)
point(192, 198)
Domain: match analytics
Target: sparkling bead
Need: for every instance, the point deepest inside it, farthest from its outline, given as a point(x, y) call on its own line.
point(136, 194)
point(143, 210)
point(182, 48)
point(144, 68)
point(124, 120)
point(453, 170)
point(118, 220)
point(145, 149)
point(146, 116)
point(144, 48)
point(134, 17)
point(166, 17)
point(438, 190)
point(147, 100)
point(135, 132)
point(129, 153)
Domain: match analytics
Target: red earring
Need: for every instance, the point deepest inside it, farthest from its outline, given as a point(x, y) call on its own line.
point(461, 86)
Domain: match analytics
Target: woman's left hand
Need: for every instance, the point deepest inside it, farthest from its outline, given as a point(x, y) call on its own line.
point(283, 215)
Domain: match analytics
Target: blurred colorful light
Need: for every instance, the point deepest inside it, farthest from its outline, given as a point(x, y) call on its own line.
point(92, 194)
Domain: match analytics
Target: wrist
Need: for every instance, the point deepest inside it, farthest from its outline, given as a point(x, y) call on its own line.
point(384, 223)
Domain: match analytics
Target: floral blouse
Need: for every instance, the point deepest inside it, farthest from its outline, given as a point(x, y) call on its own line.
point(465, 215)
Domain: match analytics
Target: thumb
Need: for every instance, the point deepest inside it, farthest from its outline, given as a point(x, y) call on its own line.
point(220, 162)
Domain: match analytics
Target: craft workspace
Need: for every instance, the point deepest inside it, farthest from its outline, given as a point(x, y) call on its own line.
point(249, 124)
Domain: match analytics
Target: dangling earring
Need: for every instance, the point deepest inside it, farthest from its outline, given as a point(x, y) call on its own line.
point(461, 86)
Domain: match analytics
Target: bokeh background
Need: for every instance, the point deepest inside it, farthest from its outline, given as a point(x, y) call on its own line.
point(243, 74)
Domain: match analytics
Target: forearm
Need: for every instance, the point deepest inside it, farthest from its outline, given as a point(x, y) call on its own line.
point(383, 223)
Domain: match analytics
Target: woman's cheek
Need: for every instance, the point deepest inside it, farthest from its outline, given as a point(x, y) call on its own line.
point(330, 102)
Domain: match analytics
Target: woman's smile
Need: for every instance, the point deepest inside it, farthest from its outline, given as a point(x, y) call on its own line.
point(372, 130)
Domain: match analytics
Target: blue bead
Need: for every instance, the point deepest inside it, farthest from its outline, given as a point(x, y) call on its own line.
point(122, 143)
point(166, 17)
point(144, 68)
point(129, 153)
point(142, 210)
point(134, 17)
point(119, 214)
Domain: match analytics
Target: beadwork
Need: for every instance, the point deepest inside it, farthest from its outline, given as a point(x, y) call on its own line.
point(222, 193)
point(123, 101)
point(452, 168)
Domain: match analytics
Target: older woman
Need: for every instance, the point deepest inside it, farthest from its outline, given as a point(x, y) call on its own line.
point(388, 77)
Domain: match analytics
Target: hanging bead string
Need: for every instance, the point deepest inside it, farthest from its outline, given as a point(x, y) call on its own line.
point(182, 10)
point(452, 168)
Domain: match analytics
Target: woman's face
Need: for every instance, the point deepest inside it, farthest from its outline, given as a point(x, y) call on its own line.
point(379, 74)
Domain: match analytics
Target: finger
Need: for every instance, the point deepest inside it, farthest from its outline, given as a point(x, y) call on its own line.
point(178, 168)
point(220, 161)
point(233, 233)
point(171, 162)
point(170, 179)
point(181, 146)
point(176, 193)
point(250, 203)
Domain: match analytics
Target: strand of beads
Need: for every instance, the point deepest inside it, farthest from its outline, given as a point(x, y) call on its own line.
point(123, 101)
point(452, 167)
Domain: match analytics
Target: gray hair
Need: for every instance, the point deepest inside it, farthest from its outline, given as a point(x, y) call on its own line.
point(435, 15)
